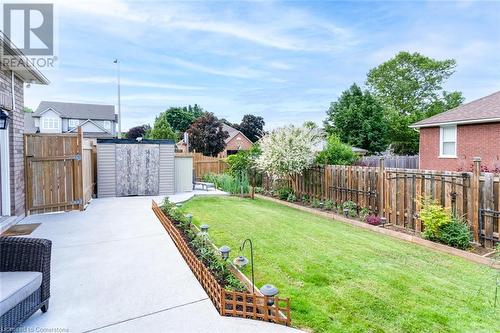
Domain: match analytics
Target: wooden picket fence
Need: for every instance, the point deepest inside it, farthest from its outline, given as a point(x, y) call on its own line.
point(228, 302)
point(59, 172)
point(396, 194)
point(204, 165)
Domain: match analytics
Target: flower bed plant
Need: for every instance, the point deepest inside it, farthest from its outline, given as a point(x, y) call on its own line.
point(202, 247)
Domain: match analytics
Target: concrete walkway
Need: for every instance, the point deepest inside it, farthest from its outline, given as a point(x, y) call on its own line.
point(115, 269)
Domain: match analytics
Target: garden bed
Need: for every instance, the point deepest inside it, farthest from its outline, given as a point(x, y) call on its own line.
point(349, 279)
point(228, 294)
point(364, 215)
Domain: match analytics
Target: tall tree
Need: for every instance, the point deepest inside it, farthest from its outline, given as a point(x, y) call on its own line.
point(410, 85)
point(180, 118)
point(206, 135)
point(138, 131)
point(357, 118)
point(161, 129)
point(252, 126)
point(336, 153)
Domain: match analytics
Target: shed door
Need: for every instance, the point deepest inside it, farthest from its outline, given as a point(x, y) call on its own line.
point(137, 169)
point(183, 174)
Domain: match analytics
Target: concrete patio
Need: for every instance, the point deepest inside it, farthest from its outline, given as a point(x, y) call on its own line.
point(115, 269)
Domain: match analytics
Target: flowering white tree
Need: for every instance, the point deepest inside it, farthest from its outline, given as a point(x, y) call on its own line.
point(288, 150)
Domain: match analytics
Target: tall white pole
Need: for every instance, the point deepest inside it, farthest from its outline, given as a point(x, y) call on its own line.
point(119, 101)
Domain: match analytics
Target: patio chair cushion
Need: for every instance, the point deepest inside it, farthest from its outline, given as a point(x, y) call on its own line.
point(17, 286)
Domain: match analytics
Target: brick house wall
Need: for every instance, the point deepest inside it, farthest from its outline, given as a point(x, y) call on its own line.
point(482, 140)
point(16, 144)
point(233, 144)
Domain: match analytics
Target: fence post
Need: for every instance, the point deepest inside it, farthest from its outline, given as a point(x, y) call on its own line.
point(381, 194)
point(80, 166)
point(476, 173)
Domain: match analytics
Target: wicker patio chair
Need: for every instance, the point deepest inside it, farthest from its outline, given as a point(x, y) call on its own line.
point(25, 256)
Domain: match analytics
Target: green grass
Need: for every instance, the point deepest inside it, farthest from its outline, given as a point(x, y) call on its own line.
point(345, 279)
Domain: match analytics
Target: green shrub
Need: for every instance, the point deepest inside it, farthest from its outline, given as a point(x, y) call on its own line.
point(329, 205)
point(284, 192)
point(336, 153)
point(363, 213)
point(304, 199)
point(243, 162)
point(339, 209)
point(315, 203)
point(351, 205)
point(291, 197)
point(455, 233)
point(229, 183)
point(433, 216)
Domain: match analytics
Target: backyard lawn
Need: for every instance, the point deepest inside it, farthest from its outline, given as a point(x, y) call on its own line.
point(344, 279)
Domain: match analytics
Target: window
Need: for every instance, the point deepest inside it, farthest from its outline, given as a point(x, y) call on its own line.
point(448, 141)
point(106, 124)
point(72, 123)
point(50, 123)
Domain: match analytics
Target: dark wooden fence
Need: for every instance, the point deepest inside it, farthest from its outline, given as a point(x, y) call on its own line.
point(404, 162)
point(396, 193)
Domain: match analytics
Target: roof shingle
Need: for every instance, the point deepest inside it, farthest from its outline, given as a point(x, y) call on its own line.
point(78, 110)
point(485, 109)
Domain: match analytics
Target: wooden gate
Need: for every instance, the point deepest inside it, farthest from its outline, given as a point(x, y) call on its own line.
point(54, 180)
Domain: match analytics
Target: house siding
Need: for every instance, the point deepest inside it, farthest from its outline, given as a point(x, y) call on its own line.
point(16, 141)
point(167, 172)
point(106, 170)
point(479, 140)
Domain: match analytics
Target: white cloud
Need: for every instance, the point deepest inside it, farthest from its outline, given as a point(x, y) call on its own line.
point(131, 83)
point(283, 28)
point(241, 72)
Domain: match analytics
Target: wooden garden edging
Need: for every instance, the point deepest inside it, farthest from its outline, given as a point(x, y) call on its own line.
point(228, 302)
point(393, 233)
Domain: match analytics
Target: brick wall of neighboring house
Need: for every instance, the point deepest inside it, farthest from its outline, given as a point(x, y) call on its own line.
point(234, 143)
point(16, 131)
point(482, 140)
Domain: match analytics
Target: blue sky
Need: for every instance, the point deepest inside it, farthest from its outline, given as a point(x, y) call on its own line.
point(285, 61)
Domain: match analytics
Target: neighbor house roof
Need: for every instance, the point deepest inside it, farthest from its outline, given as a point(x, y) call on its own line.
point(483, 110)
point(78, 110)
point(232, 132)
point(29, 123)
point(24, 69)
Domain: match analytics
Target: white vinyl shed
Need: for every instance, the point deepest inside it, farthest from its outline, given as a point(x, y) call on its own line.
point(132, 168)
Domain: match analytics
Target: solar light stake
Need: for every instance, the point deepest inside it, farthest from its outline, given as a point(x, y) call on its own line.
point(241, 261)
point(224, 252)
point(346, 212)
point(270, 291)
point(383, 221)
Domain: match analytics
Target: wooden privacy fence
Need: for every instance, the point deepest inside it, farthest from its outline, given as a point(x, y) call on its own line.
point(405, 162)
point(396, 193)
point(228, 302)
point(204, 165)
point(59, 172)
